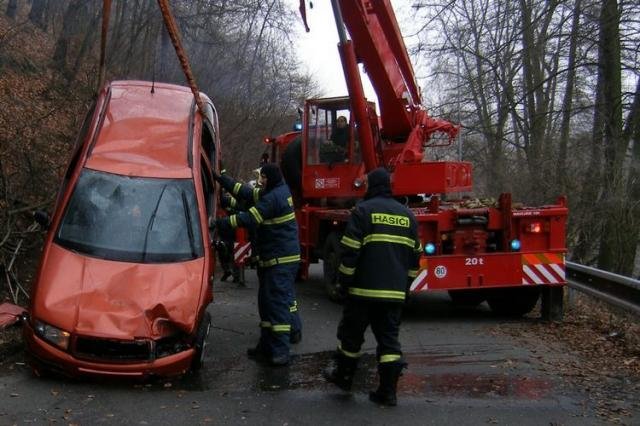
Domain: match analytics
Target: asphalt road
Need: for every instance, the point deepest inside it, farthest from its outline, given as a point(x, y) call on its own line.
point(460, 372)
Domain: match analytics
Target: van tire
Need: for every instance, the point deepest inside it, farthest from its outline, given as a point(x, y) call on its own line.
point(200, 343)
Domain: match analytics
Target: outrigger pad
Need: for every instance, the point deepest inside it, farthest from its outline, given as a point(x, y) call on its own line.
point(10, 314)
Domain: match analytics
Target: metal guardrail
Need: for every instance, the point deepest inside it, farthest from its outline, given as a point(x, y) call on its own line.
point(623, 292)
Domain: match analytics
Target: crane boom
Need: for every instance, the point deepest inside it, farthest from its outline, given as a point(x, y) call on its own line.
point(380, 48)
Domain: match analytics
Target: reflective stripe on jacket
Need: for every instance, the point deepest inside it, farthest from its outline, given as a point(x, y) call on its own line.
point(274, 218)
point(380, 250)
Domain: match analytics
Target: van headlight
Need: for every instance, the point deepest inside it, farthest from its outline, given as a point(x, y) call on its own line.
point(53, 335)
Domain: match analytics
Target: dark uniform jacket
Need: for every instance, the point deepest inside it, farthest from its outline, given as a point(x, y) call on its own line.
point(380, 250)
point(274, 218)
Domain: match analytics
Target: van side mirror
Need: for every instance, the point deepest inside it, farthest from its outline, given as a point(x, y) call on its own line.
point(43, 219)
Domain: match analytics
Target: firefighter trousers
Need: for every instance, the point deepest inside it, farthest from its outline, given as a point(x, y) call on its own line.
point(384, 318)
point(274, 294)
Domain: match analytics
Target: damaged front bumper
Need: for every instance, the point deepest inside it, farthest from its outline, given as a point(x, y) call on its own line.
point(135, 361)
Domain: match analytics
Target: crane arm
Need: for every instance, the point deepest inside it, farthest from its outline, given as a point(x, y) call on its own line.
point(379, 46)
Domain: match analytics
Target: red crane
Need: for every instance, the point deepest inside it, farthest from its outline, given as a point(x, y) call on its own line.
point(476, 251)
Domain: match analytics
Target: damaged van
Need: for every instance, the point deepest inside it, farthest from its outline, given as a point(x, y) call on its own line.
point(127, 265)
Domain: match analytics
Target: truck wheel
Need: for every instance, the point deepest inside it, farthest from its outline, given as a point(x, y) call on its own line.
point(200, 344)
point(467, 298)
point(513, 301)
point(330, 264)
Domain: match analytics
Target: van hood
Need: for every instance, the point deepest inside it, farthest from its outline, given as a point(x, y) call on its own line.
point(119, 300)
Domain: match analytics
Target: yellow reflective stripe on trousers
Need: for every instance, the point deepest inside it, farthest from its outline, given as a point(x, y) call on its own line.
point(281, 328)
point(377, 294)
point(280, 219)
point(413, 273)
point(256, 195)
point(233, 220)
point(256, 215)
point(236, 188)
point(389, 358)
point(265, 324)
point(280, 260)
point(350, 242)
point(346, 270)
point(388, 238)
point(232, 202)
point(349, 354)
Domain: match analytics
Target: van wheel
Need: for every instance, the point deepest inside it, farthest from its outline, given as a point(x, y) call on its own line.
point(330, 264)
point(513, 302)
point(200, 344)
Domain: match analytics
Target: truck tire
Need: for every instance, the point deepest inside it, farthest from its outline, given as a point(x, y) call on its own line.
point(513, 302)
point(330, 264)
point(200, 343)
point(467, 298)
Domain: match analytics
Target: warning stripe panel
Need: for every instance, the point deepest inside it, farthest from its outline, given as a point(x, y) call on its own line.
point(420, 282)
point(241, 251)
point(542, 258)
point(543, 274)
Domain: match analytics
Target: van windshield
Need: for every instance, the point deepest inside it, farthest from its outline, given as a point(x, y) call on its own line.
point(132, 219)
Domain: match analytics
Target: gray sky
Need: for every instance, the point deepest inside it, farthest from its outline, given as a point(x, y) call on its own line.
point(317, 49)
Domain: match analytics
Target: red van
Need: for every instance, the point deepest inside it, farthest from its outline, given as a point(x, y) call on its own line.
point(126, 271)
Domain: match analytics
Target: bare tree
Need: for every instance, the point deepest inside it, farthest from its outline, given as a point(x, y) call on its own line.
point(38, 13)
point(12, 9)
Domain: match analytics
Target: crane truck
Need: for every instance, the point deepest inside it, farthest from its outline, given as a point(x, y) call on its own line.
point(503, 253)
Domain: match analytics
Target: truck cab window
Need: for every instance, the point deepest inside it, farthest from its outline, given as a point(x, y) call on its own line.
point(330, 136)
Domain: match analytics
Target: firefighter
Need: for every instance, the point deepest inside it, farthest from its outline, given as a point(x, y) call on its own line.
point(248, 196)
point(279, 257)
point(380, 231)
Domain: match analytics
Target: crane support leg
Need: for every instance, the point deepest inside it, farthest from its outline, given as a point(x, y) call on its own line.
point(552, 304)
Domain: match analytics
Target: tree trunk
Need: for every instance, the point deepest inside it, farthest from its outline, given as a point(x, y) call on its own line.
point(567, 103)
point(37, 13)
point(536, 97)
point(610, 256)
point(589, 207)
point(12, 9)
point(85, 47)
point(78, 13)
point(630, 235)
point(166, 57)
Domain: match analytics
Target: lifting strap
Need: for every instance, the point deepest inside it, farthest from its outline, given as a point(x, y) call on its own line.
point(172, 29)
point(106, 12)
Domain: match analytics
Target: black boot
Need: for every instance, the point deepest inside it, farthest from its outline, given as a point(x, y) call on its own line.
point(225, 275)
point(342, 374)
point(386, 393)
point(259, 352)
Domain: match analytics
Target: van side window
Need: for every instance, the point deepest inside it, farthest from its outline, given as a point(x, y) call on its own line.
point(208, 188)
point(208, 145)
